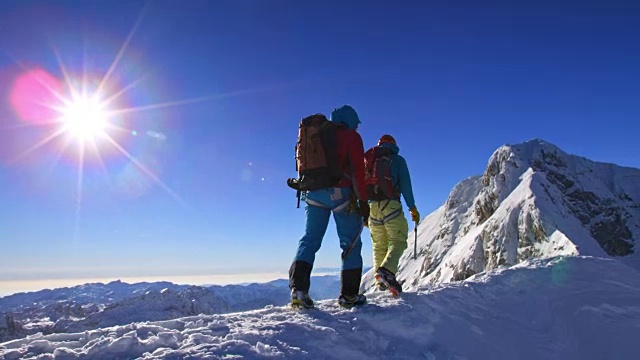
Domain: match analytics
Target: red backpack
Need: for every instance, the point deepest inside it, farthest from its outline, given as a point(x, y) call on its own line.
point(377, 161)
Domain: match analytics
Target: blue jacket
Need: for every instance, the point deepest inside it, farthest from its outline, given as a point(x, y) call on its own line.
point(400, 175)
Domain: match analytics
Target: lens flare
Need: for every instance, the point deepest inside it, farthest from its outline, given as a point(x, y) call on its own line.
point(32, 94)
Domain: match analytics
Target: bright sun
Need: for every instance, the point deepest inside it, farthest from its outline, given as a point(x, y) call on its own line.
point(85, 118)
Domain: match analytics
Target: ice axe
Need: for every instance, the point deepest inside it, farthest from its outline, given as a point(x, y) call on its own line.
point(415, 240)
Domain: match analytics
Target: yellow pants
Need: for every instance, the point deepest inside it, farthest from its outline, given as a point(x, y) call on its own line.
point(389, 230)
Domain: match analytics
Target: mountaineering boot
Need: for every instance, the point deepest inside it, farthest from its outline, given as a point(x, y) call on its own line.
point(349, 288)
point(350, 281)
point(381, 285)
point(299, 283)
point(301, 299)
point(300, 275)
point(348, 302)
point(389, 279)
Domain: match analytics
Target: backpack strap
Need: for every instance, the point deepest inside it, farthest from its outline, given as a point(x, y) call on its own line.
point(338, 208)
point(385, 219)
point(385, 205)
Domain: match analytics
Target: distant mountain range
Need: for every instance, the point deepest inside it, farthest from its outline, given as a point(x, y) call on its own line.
point(96, 305)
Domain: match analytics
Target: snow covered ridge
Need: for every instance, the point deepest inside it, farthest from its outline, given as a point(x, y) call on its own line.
point(558, 308)
point(96, 305)
point(533, 200)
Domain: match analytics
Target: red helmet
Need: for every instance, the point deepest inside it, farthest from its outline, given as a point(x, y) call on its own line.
point(387, 139)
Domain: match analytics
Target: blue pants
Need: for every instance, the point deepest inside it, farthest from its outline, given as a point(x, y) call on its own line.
point(320, 205)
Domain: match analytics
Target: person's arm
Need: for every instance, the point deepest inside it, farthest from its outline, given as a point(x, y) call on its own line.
point(405, 182)
point(356, 163)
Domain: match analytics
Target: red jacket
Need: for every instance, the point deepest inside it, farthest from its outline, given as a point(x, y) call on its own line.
point(351, 156)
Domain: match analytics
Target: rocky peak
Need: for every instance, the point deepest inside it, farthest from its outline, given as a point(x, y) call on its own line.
point(533, 200)
point(507, 164)
point(598, 194)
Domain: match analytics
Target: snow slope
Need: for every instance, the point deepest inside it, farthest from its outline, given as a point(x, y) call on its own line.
point(533, 200)
point(557, 308)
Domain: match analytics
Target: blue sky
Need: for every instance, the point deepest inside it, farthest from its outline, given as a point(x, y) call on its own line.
point(218, 88)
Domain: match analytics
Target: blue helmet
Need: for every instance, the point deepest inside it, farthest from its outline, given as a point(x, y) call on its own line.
point(347, 115)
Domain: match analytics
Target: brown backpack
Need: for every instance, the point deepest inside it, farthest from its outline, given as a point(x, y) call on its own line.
point(316, 154)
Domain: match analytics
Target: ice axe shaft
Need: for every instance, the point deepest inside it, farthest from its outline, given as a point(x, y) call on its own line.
point(415, 240)
point(353, 243)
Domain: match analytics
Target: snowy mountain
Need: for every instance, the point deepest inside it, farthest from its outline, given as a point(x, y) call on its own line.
point(533, 200)
point(95, 305)
point(560, 308)
point(54, 310)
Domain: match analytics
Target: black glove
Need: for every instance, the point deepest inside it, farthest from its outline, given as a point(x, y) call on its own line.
point(293, 183)
point(363, 210)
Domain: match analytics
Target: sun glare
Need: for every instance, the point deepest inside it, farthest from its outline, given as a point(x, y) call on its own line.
point(92, 111)
point(85, 118)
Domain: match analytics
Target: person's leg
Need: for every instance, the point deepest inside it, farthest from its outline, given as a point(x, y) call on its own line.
point(397, 230)
point(308, 246)
point(378, 235)
point(349, 227)
point(380, 244)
